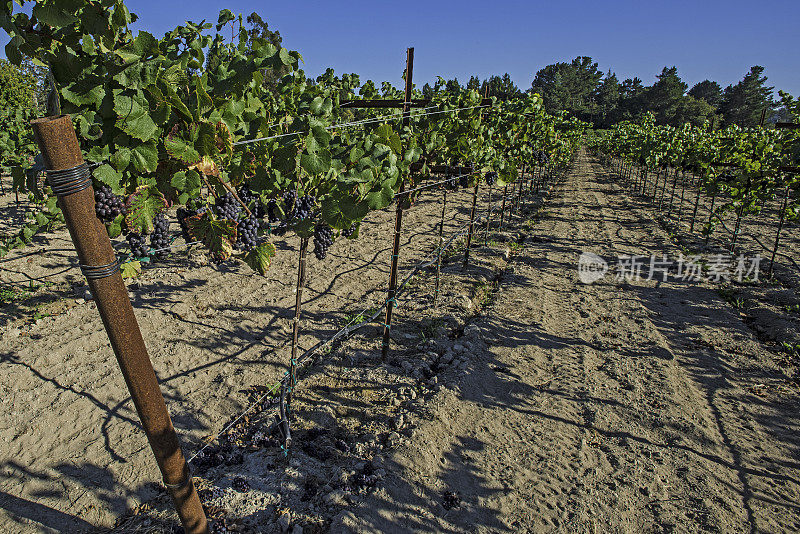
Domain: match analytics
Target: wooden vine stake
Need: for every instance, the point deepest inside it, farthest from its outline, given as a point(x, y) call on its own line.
point(696, 203)
point(70, 179)
point(503, 207)
point(398, 223)
point(778, 232)
point(488, 215)
point(440, 250)
point(471, 229)
point(298, 302)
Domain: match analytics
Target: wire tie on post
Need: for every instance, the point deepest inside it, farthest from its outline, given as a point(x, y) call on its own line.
point(187, 479)
point(96, 272)
point(68, 181)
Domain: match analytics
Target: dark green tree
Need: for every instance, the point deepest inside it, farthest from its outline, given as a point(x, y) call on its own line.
point(665, 96)
point(501, 87)
point(743, 103)
point(452, 85)
point(607, 98)
point(693, 110)
point(569, 86)
point(708, 91)
point(474, 83)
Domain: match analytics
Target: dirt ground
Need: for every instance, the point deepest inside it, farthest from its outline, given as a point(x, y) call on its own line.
point(526, 402)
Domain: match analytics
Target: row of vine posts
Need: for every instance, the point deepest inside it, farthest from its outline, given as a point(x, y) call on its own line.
point(70, 179)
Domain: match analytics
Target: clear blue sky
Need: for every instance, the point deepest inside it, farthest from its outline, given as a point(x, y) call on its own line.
point(712, 39)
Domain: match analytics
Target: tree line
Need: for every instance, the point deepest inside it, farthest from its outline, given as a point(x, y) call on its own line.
point(582, 90)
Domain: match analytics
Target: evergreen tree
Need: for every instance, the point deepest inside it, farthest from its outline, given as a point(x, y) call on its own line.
point(474, 83)
point(665, 96)
point(743, 103)
point(569, 86)
point(607, 97)
point(452, 85)
point(708, 91)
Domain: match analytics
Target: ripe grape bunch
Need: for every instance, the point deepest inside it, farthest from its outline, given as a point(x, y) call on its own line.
point(247, 233)
point(228, 207)
point(253, 201)
point(272, 205)
point(138, 244)
point(463, 180)
point(289, 198)
point(107, 205)
point(159, 239)
point(348, 232)
point(491, 178)
point(304, 207)
point(323, 239)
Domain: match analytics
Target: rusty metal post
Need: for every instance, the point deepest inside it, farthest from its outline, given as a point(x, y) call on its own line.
point(471, 222)
point(440, 251)
point(69, 178)
point(298, 302)
point(398, 223)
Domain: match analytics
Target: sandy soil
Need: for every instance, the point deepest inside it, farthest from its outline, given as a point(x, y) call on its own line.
point(527, 402)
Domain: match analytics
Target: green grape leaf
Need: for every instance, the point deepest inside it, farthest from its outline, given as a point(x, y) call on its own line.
point(260, 258)
point(317, 162)
point(107, 175)
point(181, 149)
point(49, 13)
point(115, 226)
point(133, 116)
point(145, 157)
point(131, 269)
point(206, 139)
point(121, 158)
point(217, 235)
point(142, 207)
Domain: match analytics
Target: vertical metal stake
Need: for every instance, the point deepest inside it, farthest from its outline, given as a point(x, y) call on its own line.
point(59, 145)
point(398, 222)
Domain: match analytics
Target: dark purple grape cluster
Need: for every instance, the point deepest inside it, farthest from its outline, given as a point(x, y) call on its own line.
point(159, 239)
point(228, 207)
point(491, 178)
point(253, 202)
point(247, 233)
point(272, 216)
point(107, 205)
point(289, 198)
point(348, 232)
point(246, 195)
point(183, 214)
point(323, 239)
point(463, 181)
point(138, 244)
point(304, 207)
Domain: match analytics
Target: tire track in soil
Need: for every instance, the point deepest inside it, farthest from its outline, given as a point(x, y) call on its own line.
point(621, 406)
